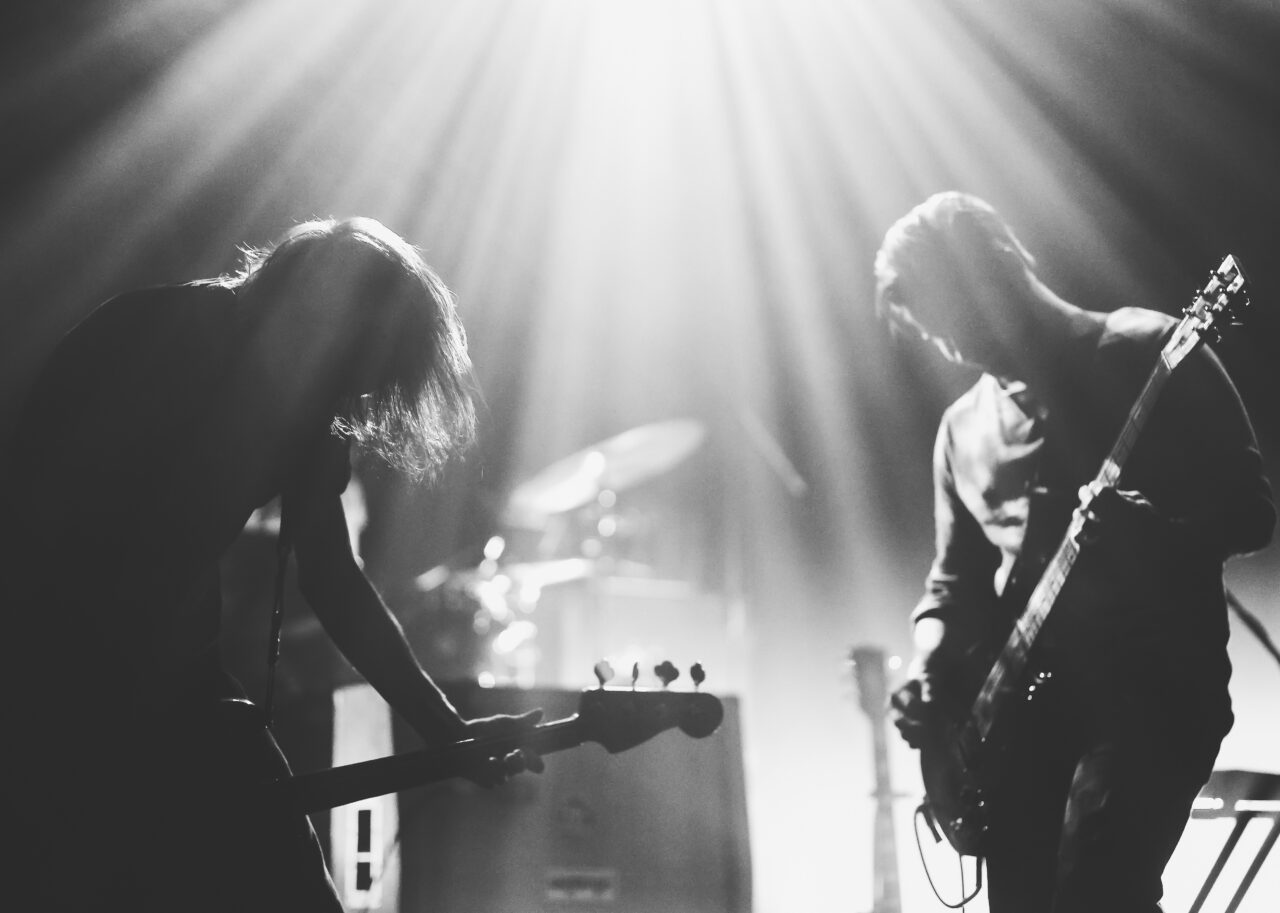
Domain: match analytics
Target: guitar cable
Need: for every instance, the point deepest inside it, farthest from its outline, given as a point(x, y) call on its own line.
point(922, 811)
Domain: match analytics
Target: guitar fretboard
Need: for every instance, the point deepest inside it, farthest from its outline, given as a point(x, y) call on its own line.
point(1012, 661)
point(311, 792)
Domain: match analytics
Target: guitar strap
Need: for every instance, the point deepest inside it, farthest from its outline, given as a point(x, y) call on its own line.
point(284, 545)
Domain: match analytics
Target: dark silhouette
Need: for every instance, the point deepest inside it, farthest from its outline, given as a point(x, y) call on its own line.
point(154, 430)
point(1102, 767)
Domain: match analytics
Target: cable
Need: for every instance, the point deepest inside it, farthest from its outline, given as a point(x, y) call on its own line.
point(1254, 625)
point(922, 811)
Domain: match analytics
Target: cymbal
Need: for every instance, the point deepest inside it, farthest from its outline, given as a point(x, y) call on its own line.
point(535, 574)
point(472, 562)
point(566, 570)
point(615, 464)
point(547, 573)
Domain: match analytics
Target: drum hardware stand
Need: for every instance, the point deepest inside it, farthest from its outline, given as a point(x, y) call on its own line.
point(1243, 795)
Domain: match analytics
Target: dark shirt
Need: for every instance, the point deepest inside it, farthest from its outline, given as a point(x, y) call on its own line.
point(139, 457)
point(1007, 468)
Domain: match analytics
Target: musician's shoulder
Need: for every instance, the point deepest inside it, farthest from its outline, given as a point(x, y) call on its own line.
point(970, 405)
point(1133, 332)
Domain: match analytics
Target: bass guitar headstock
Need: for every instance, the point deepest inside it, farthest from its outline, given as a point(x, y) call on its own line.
point(1221, 302)
point(619, 717)
point(869, 675)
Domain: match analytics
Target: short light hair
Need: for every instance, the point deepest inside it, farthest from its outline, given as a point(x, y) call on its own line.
point(421, 412)
point(952, 231)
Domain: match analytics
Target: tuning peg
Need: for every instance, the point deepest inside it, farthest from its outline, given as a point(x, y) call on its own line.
point(667, 672)
point(698, 674)
point(603, 671)
point(635, 674)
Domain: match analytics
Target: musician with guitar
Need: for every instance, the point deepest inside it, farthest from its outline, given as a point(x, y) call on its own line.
point(1066, 750)
point(134, 770)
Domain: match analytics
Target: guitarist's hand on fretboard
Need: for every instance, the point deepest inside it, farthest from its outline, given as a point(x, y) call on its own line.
point(495, 748)
point(1124, 537)
point(497, 769)
point(1122, 522)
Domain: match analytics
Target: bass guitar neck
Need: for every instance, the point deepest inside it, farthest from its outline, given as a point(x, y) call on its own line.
point(615, 718)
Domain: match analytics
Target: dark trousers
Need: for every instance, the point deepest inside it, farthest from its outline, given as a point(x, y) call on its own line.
point(1092, 806)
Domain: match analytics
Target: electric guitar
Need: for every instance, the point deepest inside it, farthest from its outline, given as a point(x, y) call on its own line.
point(959, 758)
point(618, 718)
point(873, 697)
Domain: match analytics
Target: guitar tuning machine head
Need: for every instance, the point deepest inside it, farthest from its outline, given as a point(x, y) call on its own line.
point(603, 671)
point(698, 674)
point(666, 672)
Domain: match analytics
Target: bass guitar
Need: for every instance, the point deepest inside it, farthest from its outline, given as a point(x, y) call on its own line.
point(617, 718)
point(959, 757)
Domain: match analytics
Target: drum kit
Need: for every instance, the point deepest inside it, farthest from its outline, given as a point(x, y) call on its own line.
point(570, 513)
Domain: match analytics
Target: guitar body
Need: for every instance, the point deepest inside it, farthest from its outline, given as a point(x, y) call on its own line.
point(962, 772)
point(956, 790)
point(961, 769)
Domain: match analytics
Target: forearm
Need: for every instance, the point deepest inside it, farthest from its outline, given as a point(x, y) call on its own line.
point(947, 624)
point(368, 635)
